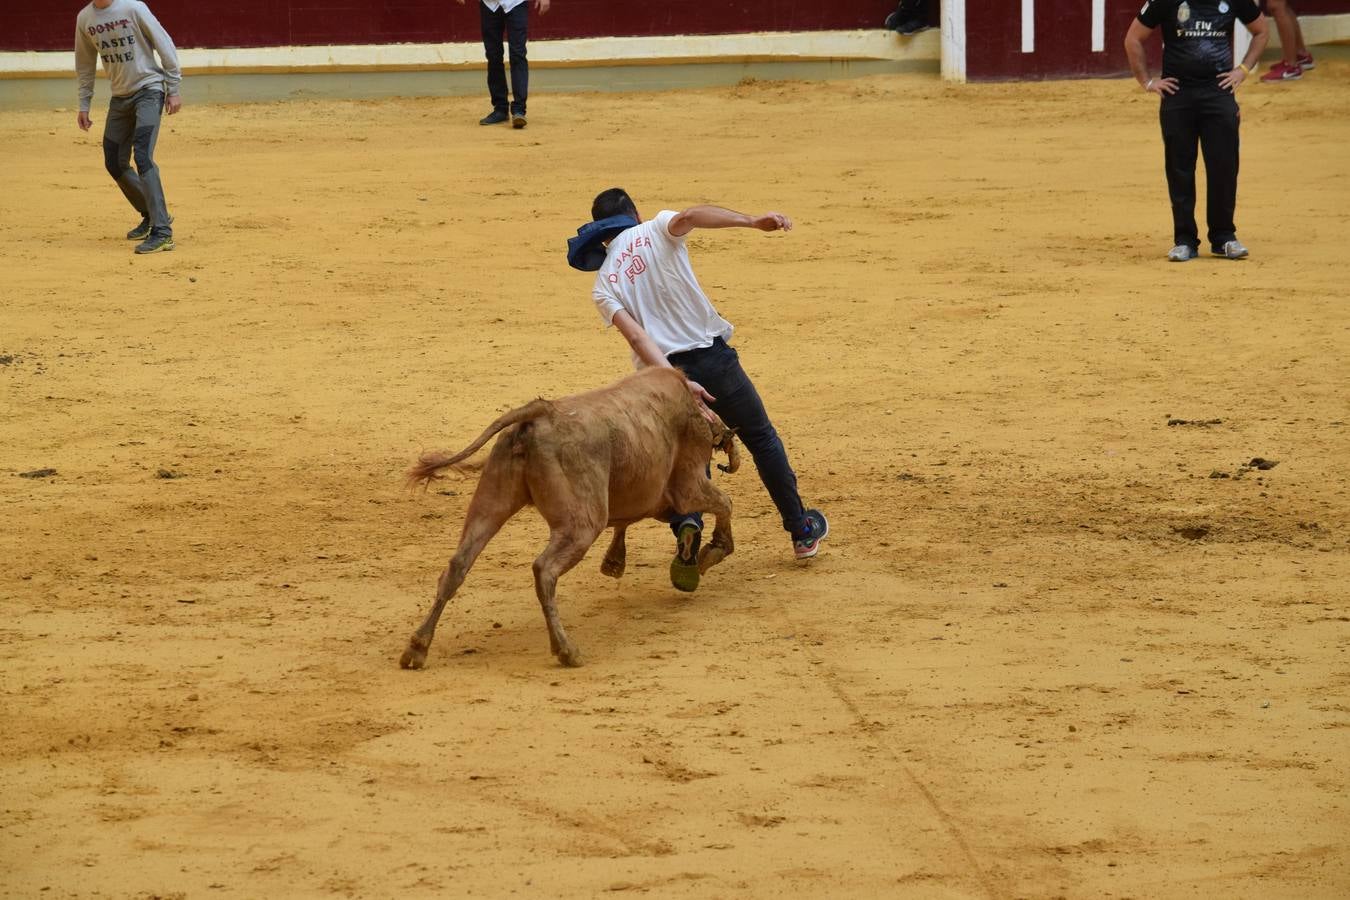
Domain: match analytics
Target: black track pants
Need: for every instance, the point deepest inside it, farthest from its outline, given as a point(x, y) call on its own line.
point(1208, 116)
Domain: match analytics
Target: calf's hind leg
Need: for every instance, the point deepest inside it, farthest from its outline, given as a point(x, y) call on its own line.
point(616, 557)
point(488, 511)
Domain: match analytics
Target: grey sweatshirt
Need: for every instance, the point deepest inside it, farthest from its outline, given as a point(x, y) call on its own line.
point(126, 36)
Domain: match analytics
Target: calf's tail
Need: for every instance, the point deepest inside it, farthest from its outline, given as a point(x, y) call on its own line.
point(429, 465)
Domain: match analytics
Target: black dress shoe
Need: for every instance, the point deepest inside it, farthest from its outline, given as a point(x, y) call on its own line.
point(496, 117)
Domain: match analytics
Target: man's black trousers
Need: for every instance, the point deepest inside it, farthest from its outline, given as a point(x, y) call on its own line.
point(516, 26)
point(1207, 115)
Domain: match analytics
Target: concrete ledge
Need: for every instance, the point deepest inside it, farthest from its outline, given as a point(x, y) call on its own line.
point(877, 44)
point(241, 75)
point(60, 93)
point(1318, 29)
point(230, 75)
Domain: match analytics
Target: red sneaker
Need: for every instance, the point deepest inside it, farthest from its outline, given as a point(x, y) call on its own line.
point(815, 528)
point(1282, 71)
point(1305, 62)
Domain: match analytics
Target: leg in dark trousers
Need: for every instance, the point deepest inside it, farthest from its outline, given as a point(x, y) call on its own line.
point(1219, 120)
point(517, 27)
point(493, 22)
point(118, 132)
point(718, 369)
point(132, 129)
point(1181, 134)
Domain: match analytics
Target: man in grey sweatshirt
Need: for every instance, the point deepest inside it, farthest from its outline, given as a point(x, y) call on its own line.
point(126, 36)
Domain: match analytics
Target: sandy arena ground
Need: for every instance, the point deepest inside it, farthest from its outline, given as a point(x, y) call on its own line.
point(1055, 646)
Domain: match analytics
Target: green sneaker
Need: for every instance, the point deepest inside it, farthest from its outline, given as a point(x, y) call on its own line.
point(684, 567)
point(140, 232)
point(155, 243)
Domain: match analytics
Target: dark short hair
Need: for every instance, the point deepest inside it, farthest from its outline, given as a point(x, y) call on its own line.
point(613, 202)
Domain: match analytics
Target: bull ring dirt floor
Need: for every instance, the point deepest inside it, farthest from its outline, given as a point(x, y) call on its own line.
point(1064, 639)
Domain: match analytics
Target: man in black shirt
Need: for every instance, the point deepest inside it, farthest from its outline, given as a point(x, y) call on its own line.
point(1196, 86)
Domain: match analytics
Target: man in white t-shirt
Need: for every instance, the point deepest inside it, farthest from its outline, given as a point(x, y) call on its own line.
point(645, 287)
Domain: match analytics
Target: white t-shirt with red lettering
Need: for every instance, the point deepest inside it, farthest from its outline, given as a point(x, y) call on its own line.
point(647, 274)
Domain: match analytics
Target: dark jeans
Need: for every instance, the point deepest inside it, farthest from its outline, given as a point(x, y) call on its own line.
point(494, 23)
point(718, 369)
point(131, 129)
point(1207, 114)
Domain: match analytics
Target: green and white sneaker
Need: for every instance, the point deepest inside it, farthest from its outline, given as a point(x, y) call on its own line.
point(684, 567)
point(141, 231)
point(155, 243)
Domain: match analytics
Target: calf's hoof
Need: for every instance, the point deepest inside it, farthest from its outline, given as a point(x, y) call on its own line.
point(710, 556)
point(569, 656)
point(415, 657)
point(612, 567)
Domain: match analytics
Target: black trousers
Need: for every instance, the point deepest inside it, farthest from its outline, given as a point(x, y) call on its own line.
point(1207, 115)
point(514, 24)
point(718, 369)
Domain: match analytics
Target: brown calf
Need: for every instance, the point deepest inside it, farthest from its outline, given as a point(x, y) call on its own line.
point(637, 449)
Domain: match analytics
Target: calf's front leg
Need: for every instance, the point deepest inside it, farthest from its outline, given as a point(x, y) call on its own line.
point(720, 545)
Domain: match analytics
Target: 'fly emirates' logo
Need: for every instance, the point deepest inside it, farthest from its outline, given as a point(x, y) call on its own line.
point(1201, 29)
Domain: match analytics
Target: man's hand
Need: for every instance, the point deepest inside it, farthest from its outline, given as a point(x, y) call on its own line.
point(173, 103)
point(83, 121)
point(1230, 80)
point(1167, 86)
point(541, 5)
point(772, 221)
point(701, 399)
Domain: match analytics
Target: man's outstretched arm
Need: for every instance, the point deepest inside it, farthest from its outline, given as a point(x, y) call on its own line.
point(717, 217)
point(646, 350)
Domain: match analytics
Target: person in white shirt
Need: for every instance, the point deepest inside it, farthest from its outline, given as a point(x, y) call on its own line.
point(127, 36)
point(511, 17)
point(646, 288)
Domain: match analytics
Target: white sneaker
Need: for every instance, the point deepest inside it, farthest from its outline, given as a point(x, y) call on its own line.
point(1231, 250)
point(1181, 253)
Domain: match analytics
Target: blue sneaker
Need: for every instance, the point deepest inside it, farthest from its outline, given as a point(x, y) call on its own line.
point(684, 567)
point(816, 528)
point(156, 242)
